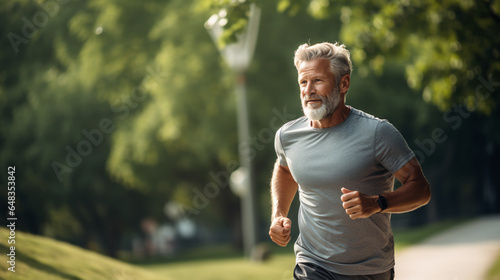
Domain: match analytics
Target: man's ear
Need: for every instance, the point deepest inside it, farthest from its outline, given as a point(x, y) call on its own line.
point(345, 82)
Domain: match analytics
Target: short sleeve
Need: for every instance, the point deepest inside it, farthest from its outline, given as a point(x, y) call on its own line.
point(280, 152)
point(391, 149)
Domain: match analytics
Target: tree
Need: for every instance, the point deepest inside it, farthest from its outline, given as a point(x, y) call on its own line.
point(108, 115)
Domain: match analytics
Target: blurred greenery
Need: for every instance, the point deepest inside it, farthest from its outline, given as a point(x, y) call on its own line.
point(407, 237)
point(110, 109)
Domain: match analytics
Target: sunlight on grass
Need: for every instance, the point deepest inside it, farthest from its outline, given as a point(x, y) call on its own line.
point(494, 272)
point(278, 267)
point(43, 258)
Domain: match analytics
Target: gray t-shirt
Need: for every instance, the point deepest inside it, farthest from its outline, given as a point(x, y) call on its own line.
point(361, 153)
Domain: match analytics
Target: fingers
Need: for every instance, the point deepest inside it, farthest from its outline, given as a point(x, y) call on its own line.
point(352, 203)
point(281, 240)
point(287, 225)
point(354, 212)
point(280, 231)
point(352, 206)
point(358, 205)
point(348, 194)
point(345, 190)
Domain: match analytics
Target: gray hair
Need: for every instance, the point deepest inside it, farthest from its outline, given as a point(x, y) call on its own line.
point(338, 55)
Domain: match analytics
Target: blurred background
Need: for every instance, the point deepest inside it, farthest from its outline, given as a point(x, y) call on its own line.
point(120, 116)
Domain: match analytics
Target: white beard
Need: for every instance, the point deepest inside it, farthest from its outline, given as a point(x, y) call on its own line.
point(328, 105)
point(315, 114)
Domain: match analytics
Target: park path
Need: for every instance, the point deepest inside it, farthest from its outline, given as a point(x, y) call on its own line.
point(465, 252)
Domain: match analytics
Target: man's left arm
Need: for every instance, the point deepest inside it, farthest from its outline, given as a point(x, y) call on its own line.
point(414, 193)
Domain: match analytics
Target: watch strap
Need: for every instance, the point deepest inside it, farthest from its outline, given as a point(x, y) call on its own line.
point(382, 202)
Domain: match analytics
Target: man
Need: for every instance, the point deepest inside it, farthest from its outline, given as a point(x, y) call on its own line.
point(343, 163)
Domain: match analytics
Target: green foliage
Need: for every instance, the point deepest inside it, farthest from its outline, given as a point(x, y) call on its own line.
point(120, 72)
point(234, 15)
point(448, 46)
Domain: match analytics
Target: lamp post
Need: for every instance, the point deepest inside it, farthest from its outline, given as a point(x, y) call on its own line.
point(238, 56)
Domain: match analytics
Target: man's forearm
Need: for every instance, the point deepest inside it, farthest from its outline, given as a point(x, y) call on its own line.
point(410, 196)
point(283, 189)
point(414, 193)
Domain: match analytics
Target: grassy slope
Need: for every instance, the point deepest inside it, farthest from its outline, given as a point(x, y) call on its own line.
point(43, 258)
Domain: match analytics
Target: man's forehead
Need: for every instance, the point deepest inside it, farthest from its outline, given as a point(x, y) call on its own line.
point(316, 66)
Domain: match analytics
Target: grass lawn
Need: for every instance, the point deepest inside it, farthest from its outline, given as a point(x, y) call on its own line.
point(279, 267)
point(494, 272)
point(222, 265)
point(41, 258)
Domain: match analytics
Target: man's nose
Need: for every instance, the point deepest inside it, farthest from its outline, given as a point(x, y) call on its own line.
point(309, 89)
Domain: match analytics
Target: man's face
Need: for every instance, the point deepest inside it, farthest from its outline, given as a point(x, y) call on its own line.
point(318, 93)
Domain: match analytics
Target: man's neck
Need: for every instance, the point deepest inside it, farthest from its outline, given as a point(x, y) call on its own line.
point(339, 115)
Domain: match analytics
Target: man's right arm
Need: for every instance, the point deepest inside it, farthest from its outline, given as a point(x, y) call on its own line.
point(283, 189)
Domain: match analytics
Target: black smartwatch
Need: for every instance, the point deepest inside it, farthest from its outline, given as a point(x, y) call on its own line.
point(382, 202)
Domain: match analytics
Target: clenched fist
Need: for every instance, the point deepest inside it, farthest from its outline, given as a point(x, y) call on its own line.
point(280, 230)
point(359, 205)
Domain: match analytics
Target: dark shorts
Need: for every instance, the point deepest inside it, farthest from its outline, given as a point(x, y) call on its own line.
point(309, 271)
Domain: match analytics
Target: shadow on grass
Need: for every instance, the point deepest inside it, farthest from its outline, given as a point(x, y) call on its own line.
point(202, 253)
point(20, 257)
point(209, 252)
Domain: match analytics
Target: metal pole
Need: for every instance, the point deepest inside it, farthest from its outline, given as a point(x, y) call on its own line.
point(238, 56)
point(248, 201)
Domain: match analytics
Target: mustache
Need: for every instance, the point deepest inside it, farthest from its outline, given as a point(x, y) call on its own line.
point(313, 97)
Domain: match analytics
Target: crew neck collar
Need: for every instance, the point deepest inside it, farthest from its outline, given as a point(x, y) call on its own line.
point(351, 109)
